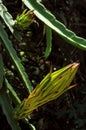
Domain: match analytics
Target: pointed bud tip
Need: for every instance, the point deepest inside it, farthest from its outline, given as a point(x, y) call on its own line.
point(76, 64)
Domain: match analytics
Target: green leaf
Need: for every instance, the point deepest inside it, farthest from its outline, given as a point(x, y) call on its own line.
point(5, 103)
point(48, 41)
point(13, 93)
point(6, 16)
point(16, 100)
point(8, 19)
point(1, 71)
point(12, 53)
point(49, 19)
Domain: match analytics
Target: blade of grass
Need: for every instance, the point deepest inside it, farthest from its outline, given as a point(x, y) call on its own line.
point(48, 41)
point(16, 101)
point(49, 19)
point(13, 93)
point(8, 19)
point(5, 103)
point(12, 53)
point(6, 16)
point(1, 71)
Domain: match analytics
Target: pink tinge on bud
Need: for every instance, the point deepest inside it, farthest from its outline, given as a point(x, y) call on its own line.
point(76, 64)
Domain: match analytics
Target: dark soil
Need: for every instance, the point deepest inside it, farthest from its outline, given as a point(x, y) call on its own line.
point(69, 111)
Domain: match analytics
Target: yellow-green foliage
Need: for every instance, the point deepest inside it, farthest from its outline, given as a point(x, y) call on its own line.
point(51, 87)
point(24, 20)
